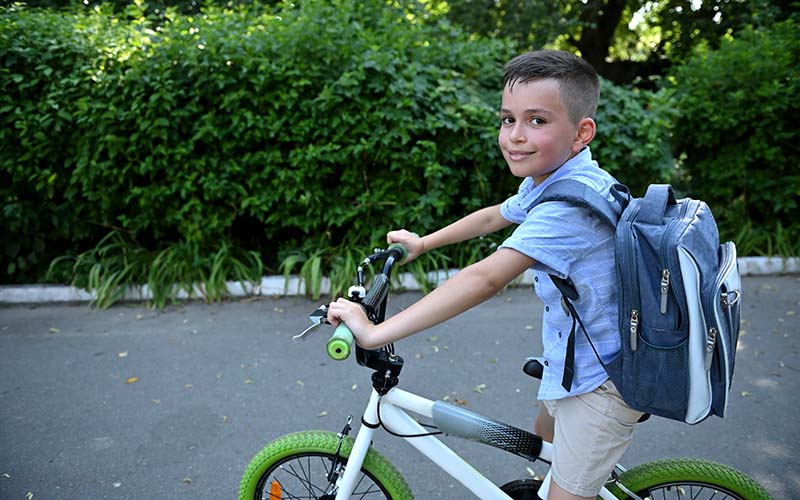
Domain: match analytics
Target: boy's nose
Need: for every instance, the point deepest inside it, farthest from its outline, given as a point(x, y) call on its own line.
point(517, 134)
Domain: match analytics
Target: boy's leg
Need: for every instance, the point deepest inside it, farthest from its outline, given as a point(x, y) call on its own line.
point(544, 425)
point(591, 433)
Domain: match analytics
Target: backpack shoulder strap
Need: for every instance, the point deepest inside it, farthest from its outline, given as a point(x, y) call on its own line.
point(582, 195)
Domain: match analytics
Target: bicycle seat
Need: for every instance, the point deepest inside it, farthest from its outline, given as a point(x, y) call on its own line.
point(533, 368)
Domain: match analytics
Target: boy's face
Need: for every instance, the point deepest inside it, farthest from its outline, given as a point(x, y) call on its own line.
point(536, 134)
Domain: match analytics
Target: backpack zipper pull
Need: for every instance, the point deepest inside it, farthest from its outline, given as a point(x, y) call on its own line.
point(710, 343)
point(634, 327)
point(664, 290)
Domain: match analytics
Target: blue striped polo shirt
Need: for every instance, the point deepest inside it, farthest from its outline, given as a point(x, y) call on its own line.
point(569, 241)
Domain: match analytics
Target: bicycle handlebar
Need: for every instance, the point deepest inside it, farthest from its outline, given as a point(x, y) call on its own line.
point(341, 342)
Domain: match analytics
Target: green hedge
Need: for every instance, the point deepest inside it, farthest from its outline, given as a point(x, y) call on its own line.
point(736, 135)
point(294, 135)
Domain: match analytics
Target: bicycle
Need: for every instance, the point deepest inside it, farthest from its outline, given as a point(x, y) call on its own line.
point(326, 465)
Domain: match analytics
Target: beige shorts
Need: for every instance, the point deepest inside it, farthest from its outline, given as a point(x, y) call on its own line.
point(592, 432)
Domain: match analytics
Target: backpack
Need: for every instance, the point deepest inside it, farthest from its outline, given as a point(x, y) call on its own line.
point(679, 300)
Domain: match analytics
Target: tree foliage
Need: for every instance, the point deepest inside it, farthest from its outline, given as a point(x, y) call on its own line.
point(625, 40)
point(736, 132)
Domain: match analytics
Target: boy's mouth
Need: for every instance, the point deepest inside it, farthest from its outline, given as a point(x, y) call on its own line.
point(517, 155)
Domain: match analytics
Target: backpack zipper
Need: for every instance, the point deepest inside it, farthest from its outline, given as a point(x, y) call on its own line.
point(634, 328)
point(664, 289)
point(711, 342)
point(683, 209)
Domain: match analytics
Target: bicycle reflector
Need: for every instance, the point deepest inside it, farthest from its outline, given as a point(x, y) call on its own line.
point(275, 491)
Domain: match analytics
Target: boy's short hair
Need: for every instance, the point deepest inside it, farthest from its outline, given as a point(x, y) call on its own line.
point(578, 82)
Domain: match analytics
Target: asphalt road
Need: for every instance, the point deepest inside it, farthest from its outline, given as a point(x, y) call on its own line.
point(132, 403)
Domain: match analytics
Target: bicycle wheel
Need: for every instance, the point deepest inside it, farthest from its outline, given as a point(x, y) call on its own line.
point(300, 465)
point(689, 478)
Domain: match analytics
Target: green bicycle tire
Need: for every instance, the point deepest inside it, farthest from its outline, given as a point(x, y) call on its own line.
point(682, 472)
point(382, 472)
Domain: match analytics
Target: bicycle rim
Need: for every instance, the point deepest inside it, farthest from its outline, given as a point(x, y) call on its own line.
point(684, 490)
point(306, 476)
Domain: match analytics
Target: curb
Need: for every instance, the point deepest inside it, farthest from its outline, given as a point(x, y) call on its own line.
point(278, 286)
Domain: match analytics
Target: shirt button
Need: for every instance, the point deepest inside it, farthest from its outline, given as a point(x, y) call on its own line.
point(547, 308)
point(536, 279)
point(546, 363)
point(559, 334)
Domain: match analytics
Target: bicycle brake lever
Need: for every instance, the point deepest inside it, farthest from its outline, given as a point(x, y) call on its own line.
point(318, 317)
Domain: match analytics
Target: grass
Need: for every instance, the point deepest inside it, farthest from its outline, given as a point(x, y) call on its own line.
point(117, 264)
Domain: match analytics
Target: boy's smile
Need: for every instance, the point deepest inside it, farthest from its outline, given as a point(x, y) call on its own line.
point(536, 133)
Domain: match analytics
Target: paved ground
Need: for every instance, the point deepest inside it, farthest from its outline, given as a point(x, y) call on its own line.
point(130, 403)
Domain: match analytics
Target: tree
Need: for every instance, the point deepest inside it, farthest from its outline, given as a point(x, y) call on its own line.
point(625, 40)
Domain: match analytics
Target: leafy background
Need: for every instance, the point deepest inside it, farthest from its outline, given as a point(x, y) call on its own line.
point(176, 147)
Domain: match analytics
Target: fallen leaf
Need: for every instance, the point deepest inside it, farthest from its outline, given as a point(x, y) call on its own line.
point(479, 388)
point(6, 476)
point(139, 316)
point(123, 354)
point(116, 485)
point(745, 394)
point(156, 401)
point(418, 356)
point(529, 327)
point(188, 386)
point(279, 309)
point(225, 419)
point(220, 375)
point(132, 380)
point(460, 402)
point(790, 313)
point(248, 381)
point(301, 383)
point(433, 338)
point(187, 480)
point(354, 387)
point(322, 414)
point(493, 361)
point(436, 348)
point(29, 495)
point(54, 329)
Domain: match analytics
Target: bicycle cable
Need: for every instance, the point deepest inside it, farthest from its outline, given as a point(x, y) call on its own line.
point(404, 436)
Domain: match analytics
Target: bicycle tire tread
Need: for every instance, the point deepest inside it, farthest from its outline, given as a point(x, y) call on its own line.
point(667, 470)
point(326, 442)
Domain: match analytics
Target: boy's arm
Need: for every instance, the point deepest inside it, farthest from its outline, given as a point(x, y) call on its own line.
point(484, 221)
point(468, 288)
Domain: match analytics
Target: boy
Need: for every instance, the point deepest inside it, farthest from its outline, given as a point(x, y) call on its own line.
point(548, 104)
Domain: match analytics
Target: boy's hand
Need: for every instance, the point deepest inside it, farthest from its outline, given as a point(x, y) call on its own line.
point(412, 242)
point(354, 317)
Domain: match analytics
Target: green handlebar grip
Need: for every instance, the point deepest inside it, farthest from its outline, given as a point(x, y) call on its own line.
point(340, 343)
point(402, 248)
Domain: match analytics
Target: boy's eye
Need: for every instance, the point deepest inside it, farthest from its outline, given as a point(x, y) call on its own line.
point(506, 120)
point(537, 121)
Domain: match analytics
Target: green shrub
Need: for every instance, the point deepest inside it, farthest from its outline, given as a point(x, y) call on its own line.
point(285, 133)
point(303, 136)
point(632, 139)
point(737, 136)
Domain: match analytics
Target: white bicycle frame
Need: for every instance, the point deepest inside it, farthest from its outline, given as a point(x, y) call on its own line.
point(448, 418)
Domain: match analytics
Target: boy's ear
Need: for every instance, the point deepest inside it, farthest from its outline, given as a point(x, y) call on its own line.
point(585, 134)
